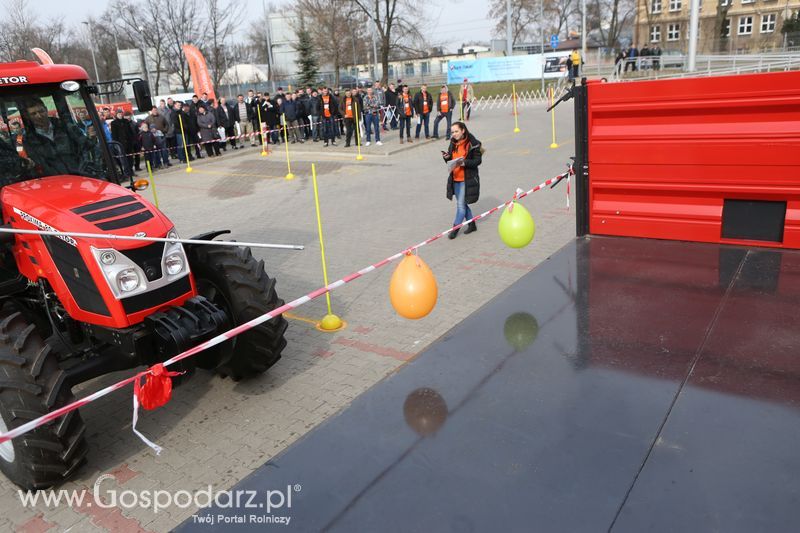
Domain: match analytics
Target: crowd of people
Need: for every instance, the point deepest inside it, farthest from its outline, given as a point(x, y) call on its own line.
point(633, 58)
point(175, 130)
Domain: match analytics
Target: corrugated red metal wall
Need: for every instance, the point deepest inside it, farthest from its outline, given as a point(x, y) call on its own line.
point(664, 155)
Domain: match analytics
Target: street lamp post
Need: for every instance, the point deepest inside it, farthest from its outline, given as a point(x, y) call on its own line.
point(91, 49)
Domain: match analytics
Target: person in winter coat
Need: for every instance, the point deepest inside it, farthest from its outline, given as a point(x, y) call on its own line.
point(463, 181)
point(147, 140)
point(350, 108)
point(446, 105)
point(314, 108)
point(405, 110)
point(122, 133)
point(271, 115)
point(225, 119)
point(423, 105)
point(291, 116)
point(207, 124)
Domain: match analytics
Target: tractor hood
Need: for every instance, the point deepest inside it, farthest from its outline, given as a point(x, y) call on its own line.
point(82, 205)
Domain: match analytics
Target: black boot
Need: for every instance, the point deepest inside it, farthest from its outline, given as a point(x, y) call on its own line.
point(453, 233)
point(471, 227)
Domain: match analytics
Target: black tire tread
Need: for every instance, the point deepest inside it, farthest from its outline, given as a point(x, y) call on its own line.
point(47, 455)
point(251, 293)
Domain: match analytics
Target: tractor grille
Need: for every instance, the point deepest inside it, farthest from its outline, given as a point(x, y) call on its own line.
point(148, 258)
point(104, 213)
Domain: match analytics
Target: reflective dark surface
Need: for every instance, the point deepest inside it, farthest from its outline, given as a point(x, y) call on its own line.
point(624, 384)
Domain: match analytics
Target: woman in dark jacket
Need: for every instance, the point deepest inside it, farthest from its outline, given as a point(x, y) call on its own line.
point(464, 181)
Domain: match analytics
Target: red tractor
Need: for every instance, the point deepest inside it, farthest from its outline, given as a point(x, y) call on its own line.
point(72, 309)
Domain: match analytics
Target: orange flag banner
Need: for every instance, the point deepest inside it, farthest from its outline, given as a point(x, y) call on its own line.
point(201, 79)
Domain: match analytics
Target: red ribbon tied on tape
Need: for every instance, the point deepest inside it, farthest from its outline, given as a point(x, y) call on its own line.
point(157, 388)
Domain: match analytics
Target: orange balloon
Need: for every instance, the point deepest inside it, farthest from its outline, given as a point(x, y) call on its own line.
point(413, 289)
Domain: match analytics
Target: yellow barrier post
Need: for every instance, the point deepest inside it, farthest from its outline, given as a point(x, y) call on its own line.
point(152, 181)
point(289, 175)
point(514, 93)
point(461, 103)
point(261, 129)
point(185, 146)
point(329, 322)
point(553, 117)
point(359, 157)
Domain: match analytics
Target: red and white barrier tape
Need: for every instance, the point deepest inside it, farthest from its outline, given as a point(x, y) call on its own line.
point(49, 417)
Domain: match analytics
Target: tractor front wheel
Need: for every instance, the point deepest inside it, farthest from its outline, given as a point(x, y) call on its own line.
point(235, 281)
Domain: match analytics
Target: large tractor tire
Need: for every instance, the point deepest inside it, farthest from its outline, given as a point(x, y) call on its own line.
point(32, 384)
point(233, 279)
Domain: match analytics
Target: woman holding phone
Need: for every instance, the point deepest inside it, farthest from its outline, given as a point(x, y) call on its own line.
point(463, 157)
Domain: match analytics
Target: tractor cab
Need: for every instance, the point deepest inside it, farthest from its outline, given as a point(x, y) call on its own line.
point(49, 126)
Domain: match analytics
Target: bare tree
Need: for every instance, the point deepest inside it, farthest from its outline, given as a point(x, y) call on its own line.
point(559, 12)
point(611, 18)
point(222, 23)
point(399, 26)
point(525, 19)
point(140, 24)
point(27, 32)
point(184, 23)
point(333, 29)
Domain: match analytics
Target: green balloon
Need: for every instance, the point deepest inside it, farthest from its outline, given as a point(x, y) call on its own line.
point(516, 226)
point(520, 330)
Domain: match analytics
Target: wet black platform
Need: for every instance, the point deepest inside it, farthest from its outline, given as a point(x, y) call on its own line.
point(625, 384)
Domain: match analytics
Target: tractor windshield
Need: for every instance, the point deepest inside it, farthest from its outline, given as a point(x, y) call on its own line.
point(47, 131)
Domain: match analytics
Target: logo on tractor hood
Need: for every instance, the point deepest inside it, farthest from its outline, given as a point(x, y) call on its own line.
point(44, 227)
point(12, 80)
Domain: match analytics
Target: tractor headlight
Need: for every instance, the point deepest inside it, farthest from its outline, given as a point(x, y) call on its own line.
point(174, 263)
point(128, 280)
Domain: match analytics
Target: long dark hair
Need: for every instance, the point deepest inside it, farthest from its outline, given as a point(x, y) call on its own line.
point(463, 126)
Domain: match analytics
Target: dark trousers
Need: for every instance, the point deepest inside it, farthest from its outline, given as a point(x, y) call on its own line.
point(405, 121)
point(349, 128)
point(212, 148)
point(328, 129)
point(423, 119)
point(231, 134)
point(439, 117)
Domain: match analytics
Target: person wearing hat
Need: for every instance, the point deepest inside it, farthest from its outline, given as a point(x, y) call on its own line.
point(445, 105)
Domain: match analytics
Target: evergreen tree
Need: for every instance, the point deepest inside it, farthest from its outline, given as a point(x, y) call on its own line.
point(306, 62)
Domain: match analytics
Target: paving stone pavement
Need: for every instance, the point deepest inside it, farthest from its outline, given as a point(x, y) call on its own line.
point(214, 431)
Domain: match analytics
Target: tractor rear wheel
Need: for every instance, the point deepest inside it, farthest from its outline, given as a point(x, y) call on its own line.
point(235, 281)
point(31, 385)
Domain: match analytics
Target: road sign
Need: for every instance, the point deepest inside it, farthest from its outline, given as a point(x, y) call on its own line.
point(554, 41)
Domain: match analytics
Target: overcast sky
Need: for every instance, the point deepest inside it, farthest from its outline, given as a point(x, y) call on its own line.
point(459, 21)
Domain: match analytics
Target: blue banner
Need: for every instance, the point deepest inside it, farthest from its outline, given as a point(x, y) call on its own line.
point(521, 67)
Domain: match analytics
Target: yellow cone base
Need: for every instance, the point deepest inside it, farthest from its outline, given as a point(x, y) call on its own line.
point(331, 323)
point(359, 157)
point(290, 176)
point(264, 153)
point(554, 145)
point(516, 130)
point(189, 170)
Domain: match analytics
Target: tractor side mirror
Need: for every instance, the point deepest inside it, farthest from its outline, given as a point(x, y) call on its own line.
point(141, 92)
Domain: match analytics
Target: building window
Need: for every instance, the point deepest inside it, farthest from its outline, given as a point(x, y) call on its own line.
point(726, 28)
point(409, 69)
point(673, 32)
point(745, 25)
point(655, 7)
point(724, 3)
point(426, 68)
point(768, 23)
point(655, 34)
point(391, 71)
point(747, 1)
point(674, 5)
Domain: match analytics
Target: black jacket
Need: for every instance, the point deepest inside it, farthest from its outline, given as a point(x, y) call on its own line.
point(391, 97)
point(249, 111)
point(418, 102)
point(224, 120)
point(314, 106)
point(122, 132)
point(471, 164)
point(357, 105)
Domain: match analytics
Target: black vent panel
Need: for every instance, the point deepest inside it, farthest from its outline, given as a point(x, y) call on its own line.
point(148, 258)
point(76, 275)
